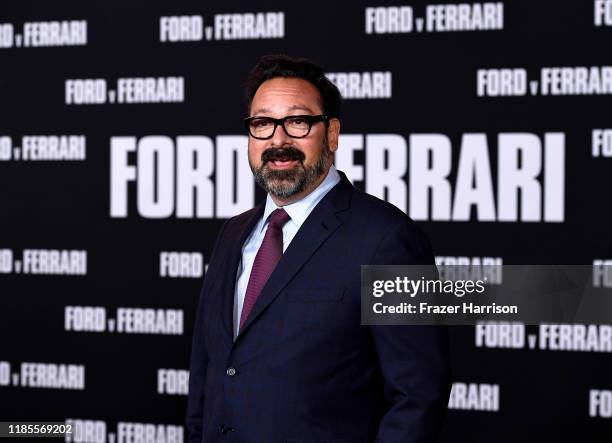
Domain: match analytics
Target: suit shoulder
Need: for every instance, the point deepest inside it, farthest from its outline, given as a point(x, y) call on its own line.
point(239, 220)
point(244, 216)
point(379, 212)
point(389, 231)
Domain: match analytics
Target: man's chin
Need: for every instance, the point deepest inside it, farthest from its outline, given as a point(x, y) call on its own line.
point(284, 175)
point(281, 186)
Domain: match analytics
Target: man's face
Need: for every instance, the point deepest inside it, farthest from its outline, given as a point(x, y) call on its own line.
point(287, 167)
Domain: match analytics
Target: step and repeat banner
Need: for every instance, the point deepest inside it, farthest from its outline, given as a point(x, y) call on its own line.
point(122, 152)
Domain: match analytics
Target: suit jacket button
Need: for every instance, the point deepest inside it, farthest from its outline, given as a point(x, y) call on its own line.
point(225, 429)
point(231, 371)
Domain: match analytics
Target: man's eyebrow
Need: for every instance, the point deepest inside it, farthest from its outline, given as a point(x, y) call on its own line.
point(291, 108)
point(261, 111)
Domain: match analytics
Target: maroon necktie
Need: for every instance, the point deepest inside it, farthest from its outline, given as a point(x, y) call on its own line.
point(267, 257)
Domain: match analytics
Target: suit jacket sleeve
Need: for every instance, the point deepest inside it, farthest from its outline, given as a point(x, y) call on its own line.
point(414, 360)
point(199, 360)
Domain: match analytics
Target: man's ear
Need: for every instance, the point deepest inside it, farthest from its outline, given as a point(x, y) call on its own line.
point(333, 133)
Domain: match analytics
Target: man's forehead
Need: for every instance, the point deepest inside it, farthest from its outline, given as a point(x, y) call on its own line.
point(286, 94)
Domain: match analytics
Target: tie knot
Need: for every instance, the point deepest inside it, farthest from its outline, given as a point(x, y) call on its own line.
point(278, 218)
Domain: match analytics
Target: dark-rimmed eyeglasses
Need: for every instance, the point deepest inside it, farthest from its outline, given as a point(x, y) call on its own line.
point(296, 126)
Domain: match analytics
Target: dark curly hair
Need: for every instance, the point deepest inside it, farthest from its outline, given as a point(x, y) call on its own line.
point(271, 66)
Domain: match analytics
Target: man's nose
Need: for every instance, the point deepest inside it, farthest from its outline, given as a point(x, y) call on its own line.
point(280, 137)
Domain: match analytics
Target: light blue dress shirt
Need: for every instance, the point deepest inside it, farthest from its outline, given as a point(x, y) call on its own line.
point(299, 212)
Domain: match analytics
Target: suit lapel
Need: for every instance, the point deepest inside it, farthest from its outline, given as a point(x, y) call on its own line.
point(235, 256)
point(320, 224)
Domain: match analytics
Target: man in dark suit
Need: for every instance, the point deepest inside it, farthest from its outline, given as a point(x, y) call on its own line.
point(279, 354)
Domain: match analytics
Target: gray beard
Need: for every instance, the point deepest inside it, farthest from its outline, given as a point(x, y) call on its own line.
point(287, 183)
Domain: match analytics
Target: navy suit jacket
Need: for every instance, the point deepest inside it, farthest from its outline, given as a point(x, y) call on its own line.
point(303, 369)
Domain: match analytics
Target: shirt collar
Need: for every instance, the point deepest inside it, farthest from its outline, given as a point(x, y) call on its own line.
point(301, 209)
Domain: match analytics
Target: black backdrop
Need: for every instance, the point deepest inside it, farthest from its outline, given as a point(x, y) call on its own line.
point(428, 102)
